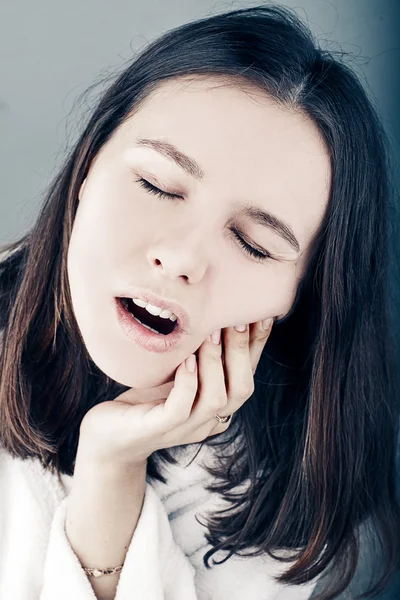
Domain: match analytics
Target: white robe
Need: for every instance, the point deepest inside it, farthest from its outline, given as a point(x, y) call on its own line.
point(164, 560)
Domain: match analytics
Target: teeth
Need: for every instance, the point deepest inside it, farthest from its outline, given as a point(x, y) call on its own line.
point(147, 327)
point(155, 310)
point(139, 302)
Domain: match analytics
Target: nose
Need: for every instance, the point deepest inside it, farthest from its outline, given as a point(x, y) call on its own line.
point(179, 260)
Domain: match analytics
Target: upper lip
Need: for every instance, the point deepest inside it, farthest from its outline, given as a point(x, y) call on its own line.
point(164, 303)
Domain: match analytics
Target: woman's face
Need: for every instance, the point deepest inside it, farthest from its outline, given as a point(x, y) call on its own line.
point(250, 153)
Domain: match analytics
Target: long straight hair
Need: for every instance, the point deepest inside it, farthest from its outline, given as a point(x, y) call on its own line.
point(316, 445)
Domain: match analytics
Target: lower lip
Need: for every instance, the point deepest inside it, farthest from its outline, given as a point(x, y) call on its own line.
point(153, 342)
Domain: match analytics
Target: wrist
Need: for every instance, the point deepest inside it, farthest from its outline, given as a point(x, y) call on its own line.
point(88, 458)
point(92, 471)
point(104, 506)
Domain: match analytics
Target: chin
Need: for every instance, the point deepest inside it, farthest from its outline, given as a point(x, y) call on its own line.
point(134, 376)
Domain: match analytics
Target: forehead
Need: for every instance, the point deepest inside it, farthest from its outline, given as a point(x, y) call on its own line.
point(250, 148)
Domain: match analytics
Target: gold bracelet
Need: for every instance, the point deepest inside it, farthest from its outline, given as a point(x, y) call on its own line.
point(100, 572)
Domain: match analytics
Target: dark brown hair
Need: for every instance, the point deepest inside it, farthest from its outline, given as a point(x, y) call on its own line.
point(317, 442)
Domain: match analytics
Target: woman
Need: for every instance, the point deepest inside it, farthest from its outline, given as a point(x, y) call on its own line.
point(232, 176)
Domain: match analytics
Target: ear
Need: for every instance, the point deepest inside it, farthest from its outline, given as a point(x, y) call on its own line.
point(81, 189)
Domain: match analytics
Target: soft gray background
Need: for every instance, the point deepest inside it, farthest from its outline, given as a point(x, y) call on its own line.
point(51, 52)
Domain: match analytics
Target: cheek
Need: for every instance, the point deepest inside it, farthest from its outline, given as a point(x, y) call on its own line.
point(276, 298)
point(286, 289)
point(285, 303)
point(251, 296)
point(283, 288)
point(109, 220)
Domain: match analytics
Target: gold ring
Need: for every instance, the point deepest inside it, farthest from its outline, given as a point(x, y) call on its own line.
point(223, 419)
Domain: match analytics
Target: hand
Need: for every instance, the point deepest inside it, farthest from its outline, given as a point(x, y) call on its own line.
point(128, 430)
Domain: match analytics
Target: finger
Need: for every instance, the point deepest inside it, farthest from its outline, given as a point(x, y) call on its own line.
point(241, 357)
point(177, 408)
point(239, 375)
point(238, 371)
point(258, 338)
point(212, 395)
point(211, 398)
point(239, 380)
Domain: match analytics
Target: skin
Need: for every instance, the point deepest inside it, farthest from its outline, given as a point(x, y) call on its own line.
point(116, 438)
point(252, 151)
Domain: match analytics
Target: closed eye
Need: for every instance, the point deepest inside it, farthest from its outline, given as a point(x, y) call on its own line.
point(250, 249)
point(155, 190)
point(259, 255)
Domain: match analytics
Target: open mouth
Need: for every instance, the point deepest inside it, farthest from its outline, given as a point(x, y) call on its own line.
point(152, 322)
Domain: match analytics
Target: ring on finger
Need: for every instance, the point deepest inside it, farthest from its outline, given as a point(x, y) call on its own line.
point(223, 419)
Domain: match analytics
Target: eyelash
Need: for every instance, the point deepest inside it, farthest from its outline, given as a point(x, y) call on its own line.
point(154, 190)
point(165, 195)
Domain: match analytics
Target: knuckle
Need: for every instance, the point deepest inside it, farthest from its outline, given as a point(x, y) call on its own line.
point(243, 342)
point(181, 418)
point(261, 336)
point(247, 389)
point(215, 354)
point(218, 403)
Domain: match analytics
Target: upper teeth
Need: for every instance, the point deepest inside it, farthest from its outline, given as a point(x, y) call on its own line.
point(155, 310)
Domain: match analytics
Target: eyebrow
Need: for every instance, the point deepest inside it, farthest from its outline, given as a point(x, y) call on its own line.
point(190, 166)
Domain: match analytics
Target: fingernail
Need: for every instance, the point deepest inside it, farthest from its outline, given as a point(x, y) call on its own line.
point(267, 323)
point(240, 327)
point(216, 336)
